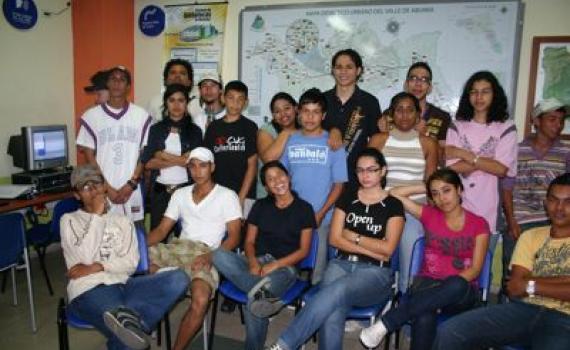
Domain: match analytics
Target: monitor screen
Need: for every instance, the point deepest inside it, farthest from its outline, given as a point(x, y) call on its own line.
point(49, 145)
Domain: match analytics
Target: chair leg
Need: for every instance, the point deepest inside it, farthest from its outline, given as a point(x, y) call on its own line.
point(41, 251)
point(213, 321)
point(14, 291)
point(167, 332)
point(159, 333)
point(242, 319)
point(30, 292)
point(205, 330)
point(4, 280)
point(62, 326)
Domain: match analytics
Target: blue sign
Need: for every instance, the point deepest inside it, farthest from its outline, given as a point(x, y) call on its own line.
point(21, 14)
point(151, 20)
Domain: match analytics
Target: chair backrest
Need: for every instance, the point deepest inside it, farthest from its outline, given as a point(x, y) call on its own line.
point(417, 258)
point(67, 205)
point(12, 239)
point(486, 276)
point(310, 260)
point(144, 263)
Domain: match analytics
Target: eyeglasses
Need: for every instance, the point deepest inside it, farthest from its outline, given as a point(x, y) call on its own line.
point(90, 186)
point(416, 79)
point(367, 170)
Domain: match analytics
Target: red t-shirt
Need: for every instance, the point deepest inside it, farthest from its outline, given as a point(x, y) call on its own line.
point(448, 252)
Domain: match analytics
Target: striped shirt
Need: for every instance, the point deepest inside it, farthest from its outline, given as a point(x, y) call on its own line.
point(534, 174)
point(405, 159)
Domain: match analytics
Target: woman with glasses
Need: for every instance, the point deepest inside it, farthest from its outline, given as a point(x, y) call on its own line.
point(366, 228)
point(482, 146)
point(454, 255)
point(411, 158)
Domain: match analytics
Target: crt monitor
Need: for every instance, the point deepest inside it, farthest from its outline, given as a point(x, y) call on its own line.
point(40, 147)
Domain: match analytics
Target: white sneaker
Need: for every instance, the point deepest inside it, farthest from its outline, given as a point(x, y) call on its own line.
point(372, 336)
point(353, 326)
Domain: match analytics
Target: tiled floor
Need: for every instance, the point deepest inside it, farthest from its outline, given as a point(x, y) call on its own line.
point(16, 333)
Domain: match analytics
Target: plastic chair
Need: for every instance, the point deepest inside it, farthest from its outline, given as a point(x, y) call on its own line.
point(12, 247)
point(40, 236)
point(65, 319)
point(291, 296)
point(370, 312)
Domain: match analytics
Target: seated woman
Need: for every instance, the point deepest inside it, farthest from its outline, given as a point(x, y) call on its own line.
point(366, 227)
point(278, 237)
point(455, 248)
point(100, 251)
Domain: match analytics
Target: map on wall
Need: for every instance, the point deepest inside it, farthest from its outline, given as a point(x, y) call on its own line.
point(289, 48)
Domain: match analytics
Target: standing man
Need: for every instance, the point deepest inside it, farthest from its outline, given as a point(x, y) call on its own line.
point(539, 313)
point(541, 158)
point(207, 212)
point(112, 136)
point(176, 71)
point(98, 87)
point(211, 106)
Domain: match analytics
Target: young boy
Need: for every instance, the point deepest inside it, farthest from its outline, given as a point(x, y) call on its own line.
point(232, 139)
point(317, 172)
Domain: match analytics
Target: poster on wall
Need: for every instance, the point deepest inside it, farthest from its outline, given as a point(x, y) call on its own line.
point(196, 33)
point(289, 47)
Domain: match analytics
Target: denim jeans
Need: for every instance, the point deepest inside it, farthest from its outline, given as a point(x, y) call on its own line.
point(345, 284)
point(413, 229)
point(322, 253)
point(150, 296)
point(235, 268)
point(503, 324)
point(451, 295)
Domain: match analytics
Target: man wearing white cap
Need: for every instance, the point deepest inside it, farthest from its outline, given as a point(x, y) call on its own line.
point(206, 212)
point(541, 158)
point(211, 106)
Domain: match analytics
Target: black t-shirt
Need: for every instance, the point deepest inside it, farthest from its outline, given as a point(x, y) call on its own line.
point(232, 144)
point(279, 230)
point(368, 220)
point(437, 122)
point(356, 120)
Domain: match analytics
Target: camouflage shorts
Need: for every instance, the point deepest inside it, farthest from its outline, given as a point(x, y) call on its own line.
point(181, 253)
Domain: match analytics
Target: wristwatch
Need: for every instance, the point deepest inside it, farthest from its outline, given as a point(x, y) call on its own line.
point(531, 288)
point(357, 240)
point(133, 184)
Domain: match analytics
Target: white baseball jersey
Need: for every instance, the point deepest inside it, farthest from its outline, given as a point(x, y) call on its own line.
point(117, 137)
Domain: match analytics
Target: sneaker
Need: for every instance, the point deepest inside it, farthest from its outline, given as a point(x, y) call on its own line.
point(274, 347)
point(353, 326)
point(228, 306)
point(260, 284)
point(126, 326)
point(372, 336)
point(264, 304)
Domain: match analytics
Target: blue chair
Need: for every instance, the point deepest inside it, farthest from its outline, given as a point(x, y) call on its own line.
point(65, 319)
point(12, 248)
point(370, 312)
point(40, 236)
point(291, 296)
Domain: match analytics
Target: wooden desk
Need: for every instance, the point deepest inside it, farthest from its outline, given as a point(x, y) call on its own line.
point(7, 205)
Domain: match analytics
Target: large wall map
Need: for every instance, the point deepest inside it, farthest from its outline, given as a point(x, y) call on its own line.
point(289, 48)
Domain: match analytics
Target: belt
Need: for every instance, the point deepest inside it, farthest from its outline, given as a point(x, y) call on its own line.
point(363, 260)
point(158, 187)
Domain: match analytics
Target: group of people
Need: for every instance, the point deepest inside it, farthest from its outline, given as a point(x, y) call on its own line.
point(332, 165)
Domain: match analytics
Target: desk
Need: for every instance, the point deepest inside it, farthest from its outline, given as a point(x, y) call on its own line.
point(8, 205)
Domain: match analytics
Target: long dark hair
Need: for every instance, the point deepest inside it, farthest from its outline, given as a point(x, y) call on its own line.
point(401, 96)
point(378, 158)
point(286, 97)
point(498, 109)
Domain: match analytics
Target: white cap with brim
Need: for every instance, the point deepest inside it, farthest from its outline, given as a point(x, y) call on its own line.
point(215, 77)
point(549, 105)
point(201, 153)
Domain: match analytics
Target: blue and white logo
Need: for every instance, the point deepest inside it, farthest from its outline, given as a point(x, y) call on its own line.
point(151, 20)
point(21, 14)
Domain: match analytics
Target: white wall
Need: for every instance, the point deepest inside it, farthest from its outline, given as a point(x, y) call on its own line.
point(36, 77)
point(542, 18)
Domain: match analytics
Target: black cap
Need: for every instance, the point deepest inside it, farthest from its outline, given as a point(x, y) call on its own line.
point(98, 81)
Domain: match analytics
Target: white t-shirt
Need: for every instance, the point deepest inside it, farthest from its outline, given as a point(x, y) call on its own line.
point(205, 221)
point(108, 239)
point(173, 175)
point(117, 137)
point(155, 106)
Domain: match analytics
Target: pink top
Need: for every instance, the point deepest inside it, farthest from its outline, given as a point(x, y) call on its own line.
point(448, 252)
point(495, 140)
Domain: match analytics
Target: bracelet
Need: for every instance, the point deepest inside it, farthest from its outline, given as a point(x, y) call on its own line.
point(475, 159)
point(357, 240)
point(132, 184)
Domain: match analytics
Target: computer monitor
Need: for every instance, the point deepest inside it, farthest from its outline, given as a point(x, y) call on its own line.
point(40, 147)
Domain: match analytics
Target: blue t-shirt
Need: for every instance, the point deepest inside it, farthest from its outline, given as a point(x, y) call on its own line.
point(314, 168)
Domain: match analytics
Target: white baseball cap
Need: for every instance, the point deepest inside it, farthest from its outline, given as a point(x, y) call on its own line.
point(201, 153)
point(548, 105)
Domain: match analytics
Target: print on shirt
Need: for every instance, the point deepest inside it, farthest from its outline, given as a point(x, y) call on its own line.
point(552, 260)
point(229, 144)
point(355, 220)
point(487, 149)
point(308, 154)
point(453, 247)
